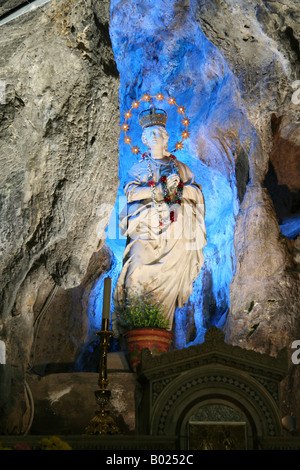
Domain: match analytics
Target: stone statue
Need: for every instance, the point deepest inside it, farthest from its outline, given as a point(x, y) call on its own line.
point(164, 222)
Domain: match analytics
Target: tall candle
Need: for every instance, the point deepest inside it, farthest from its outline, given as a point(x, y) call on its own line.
point(106, 298)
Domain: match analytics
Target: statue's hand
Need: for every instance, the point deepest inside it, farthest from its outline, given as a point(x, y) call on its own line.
point(172, 182)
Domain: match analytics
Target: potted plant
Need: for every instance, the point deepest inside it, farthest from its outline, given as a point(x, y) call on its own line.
point(144, 325)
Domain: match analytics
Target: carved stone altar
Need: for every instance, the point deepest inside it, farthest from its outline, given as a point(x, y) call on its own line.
point(212, 395)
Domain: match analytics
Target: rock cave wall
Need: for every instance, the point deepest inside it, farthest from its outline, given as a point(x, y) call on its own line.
point(59, 121)
point(235, 68)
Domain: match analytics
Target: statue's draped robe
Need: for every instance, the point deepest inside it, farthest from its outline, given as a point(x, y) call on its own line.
point(164, 260)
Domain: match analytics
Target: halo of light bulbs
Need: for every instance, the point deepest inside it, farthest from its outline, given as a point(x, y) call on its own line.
point(148, 99)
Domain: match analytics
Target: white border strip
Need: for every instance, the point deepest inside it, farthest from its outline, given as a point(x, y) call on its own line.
point(2, 352)
point(23, 10)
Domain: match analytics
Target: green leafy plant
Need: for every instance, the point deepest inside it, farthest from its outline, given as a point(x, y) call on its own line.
point(141, 311)
point(47, 443)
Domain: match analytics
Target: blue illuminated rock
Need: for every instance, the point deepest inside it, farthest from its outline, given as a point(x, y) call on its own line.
point(232, 66)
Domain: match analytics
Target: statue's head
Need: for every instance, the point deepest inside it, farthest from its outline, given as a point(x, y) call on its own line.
point(153, 122)
point(155, 136)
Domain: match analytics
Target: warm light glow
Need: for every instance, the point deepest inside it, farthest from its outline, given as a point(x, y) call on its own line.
point(135, 104)
point(135, 150)
point(125, 127)
point(128, 114)
point(181, 110)
point(171, 101)
point(127, 140)
point(146, 97)
point(179, 145)
point(185, 134)
point(185, 121)
point(159, 97)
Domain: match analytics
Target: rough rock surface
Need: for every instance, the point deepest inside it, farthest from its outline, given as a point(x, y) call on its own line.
point(260, 42)
point(65, 403)
point(59, 161)
point(265, 290)
point(62, 327)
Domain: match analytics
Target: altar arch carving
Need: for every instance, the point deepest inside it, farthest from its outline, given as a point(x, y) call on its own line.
point(177, 385)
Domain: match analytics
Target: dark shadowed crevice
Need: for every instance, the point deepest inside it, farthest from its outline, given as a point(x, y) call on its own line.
point(286, 204)
point(242, 174)
point(294, 43)
point(281, 180)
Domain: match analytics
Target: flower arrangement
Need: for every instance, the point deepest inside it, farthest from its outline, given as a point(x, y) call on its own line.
point(22, 446)
point(2, 447)
point(168, 198)
point(141, 311)
point(54, 443)
point(47, 443)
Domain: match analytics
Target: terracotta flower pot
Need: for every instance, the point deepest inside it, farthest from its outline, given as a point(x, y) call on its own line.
point(157, 340)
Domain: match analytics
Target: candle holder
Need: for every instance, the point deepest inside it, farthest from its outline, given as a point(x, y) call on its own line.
point(102, 422)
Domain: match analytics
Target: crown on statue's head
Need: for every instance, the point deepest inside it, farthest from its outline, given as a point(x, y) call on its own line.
point(153, 117)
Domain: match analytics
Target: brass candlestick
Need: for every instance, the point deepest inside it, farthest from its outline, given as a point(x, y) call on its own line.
point(102, 422)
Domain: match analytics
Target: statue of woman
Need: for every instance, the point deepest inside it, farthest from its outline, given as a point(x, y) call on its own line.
point(164, 223)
